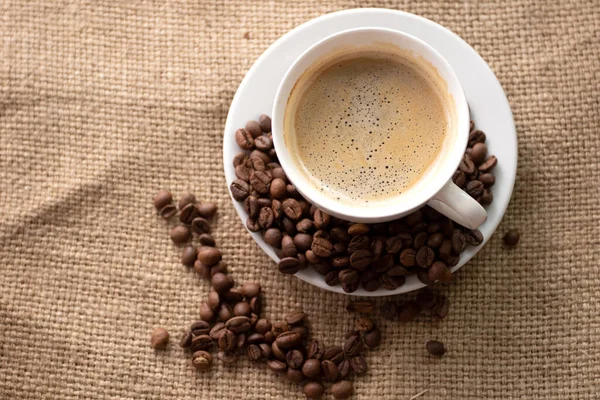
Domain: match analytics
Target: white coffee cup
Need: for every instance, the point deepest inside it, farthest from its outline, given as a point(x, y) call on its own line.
point(435, 187)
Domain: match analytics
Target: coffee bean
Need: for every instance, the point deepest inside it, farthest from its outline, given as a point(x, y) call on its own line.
point(353, 345)
point(244, 139)
point(409, 311)
point(278, 188)
point(186, 340)
point(239, 158)
point(162, 199)
point(425, 257)
point(227, 341)
point(334, 353)
point(200, 328)
point(277, 352)
point(188, 255)
point(273, 237)
point(294, 359)
point(478, 153)
point(253, 128)
point(279, 173)
point(359, 243)
point(396, 271)
point(243, 171)
point(220, 282)
point(238, 324)
point(363, 324)
point(201, 342)
point(487, 197)
point(266, 218)
point(258, 160)
point(219, 268)
point(441, 307)
point(292, 209)
point(291, 191)
point(206, 313)
point(344, 369)
point(391, 282)
point(349, 276)
point(180, 234)
point(263, 143)
point(288, 247)
point(225, 312)
point(251, 289)
point(339, 234)
point(384, 263)
point(435, 240)
point(311, 257)
point(256, 304)
point(359, 365)
point(459, 178)
point(313, 390)
point(202, 269)
point(459, 243)
point(255, 338)
point(435, 348)
point(251, 206)
point(358, 229)
point(330, 370)
point(288, 339)
point(321, 247)
point(394, 244)
point(276, 365)
point(360, 306)
point(288, 265)
point(342, 389)
point(360, 259)
point(265, 123)
point(303, 241)
point(200, 225)
point(408, 257)
point(242, 308)
point(488, 164)
point(304, 226)
point(420, 240)
point(207, 210)
point(159, 338)
point(511, 237)
point(475, 188)
point(312, 368)
point(473, 237)
point(260, 181)
point(439, 272)
point(467, 165)
point(446, 248)
point(239, 189)
point(294, 375)
point(168, 211)
point(201, 360)
point(321, 219)
point(296, 317)
point(265, 350)
point(371, 286)
point(487, 179)
point(314, 350)
point(213, 300)
point(372, 338)
point(209, 255)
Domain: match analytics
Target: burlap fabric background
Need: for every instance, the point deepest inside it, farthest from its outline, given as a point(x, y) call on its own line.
point(102, 103)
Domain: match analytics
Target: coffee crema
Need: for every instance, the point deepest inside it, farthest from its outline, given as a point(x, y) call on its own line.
point(366, 126)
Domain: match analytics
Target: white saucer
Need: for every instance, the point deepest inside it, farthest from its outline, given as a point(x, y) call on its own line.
point(488, 103)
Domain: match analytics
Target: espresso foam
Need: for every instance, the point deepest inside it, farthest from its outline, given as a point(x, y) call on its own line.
point(367, 127)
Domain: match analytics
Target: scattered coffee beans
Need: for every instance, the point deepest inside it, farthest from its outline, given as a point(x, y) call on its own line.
point(353, 255)
point(159, 338)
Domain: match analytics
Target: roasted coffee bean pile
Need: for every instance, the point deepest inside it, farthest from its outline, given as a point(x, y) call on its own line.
point(231, 325)
point(353, 255)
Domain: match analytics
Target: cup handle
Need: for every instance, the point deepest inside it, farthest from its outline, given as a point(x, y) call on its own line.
point(457, 205)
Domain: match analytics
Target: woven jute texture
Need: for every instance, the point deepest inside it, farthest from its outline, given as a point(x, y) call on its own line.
point(103, 103)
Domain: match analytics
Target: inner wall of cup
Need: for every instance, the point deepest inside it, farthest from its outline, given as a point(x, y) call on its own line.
point(434, 177)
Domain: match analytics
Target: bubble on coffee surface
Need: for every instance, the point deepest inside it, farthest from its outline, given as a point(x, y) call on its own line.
point(367, 128)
